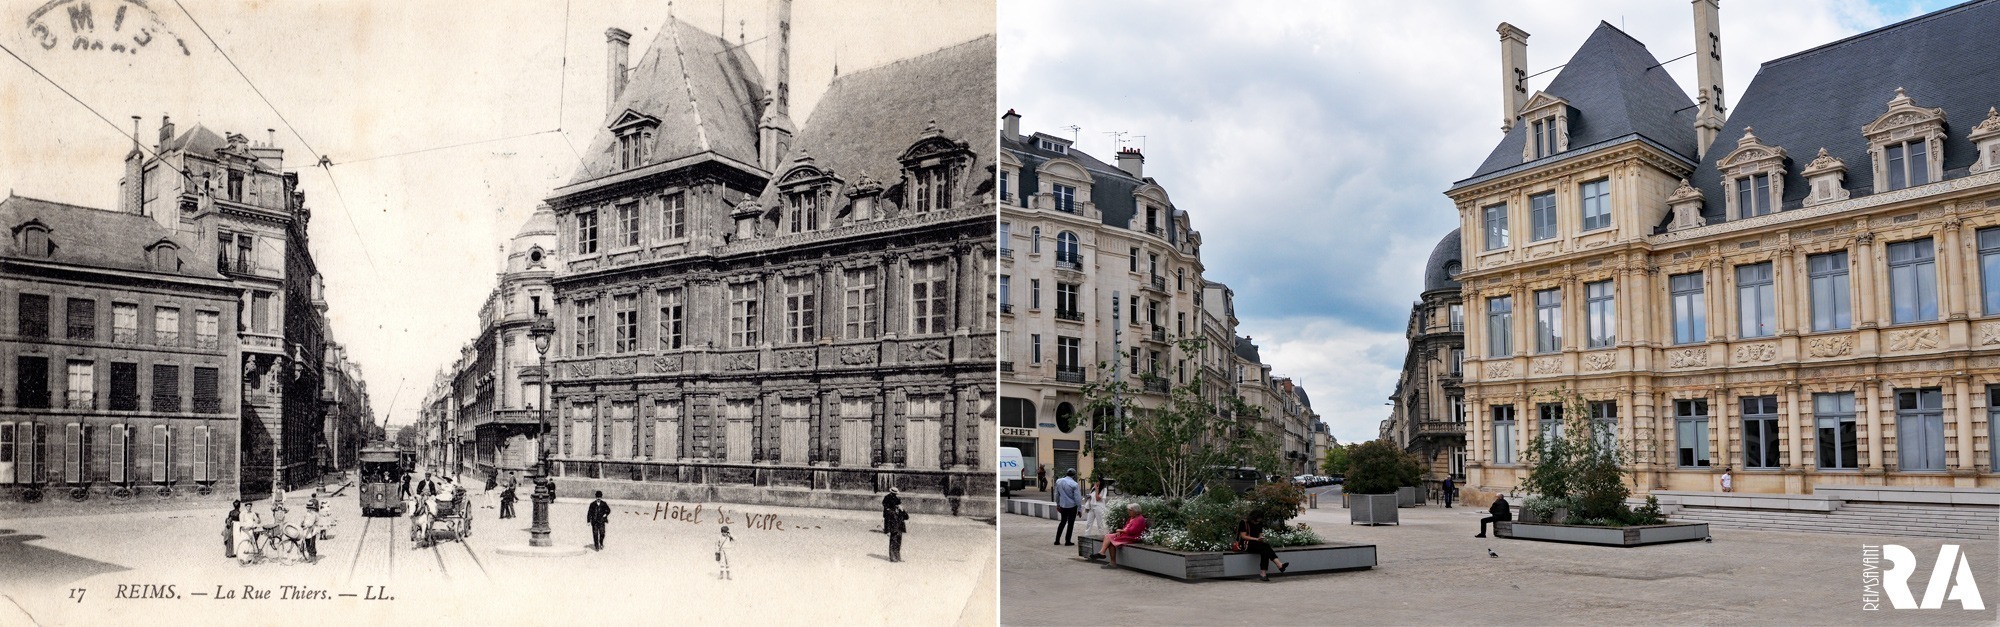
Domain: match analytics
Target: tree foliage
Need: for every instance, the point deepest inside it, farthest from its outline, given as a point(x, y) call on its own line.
point(1379, 467)
point(1580, 467)
point(1335, 462)
point(1175, 449)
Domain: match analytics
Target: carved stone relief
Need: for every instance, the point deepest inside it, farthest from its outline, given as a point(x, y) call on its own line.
point(1546, 365)
point(744, 361)
point(857, 355)
point(1500, 370)
point(796, 359)
point(1830, 346)
point(1687, 357)
point(1761, 352)
point(1989, 333)
point(667, 363)
point(1913, 339)
point(1599, 362)
point(930, 350)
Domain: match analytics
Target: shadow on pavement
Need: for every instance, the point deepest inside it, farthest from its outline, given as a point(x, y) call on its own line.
point(28, 566)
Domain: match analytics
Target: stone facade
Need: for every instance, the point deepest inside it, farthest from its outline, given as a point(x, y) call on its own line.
point(1428, 415)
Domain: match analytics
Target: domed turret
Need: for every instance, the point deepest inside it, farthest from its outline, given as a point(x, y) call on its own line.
point(535, 244)
point(1441, 272)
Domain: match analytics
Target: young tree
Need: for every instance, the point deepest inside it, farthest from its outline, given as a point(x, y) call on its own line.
point(1336, 459)
point(1580, 465)
point(1174, 449)
point(1380, 467)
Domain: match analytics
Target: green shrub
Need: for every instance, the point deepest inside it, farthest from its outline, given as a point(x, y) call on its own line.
point(1275, 503)
point(1379, 467)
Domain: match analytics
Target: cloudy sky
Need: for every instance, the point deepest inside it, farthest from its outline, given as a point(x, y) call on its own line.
point(408, 242)
point(1312, 142)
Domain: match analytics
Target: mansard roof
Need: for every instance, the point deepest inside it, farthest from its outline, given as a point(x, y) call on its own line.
point(1247, 349)
point(705, 94)
point(1822, 97)
point(1111, 188)
point(1615, 90)
point(96, 238)
point(1444, 258)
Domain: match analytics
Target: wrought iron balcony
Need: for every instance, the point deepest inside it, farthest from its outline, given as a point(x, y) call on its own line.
point(1006, 366)
point(1069, 374)
point(207, 405)
point(1159, 333)
point(164, 403)
point(1073, 263)
point(124, 402)
point(1158, 385)
point(1158, 283)
point(1440, 428)
point(85, 332)
point(1006, 253)
point(1155, 229)
point(237, 266)
point(1070, 315)
point(1006, 308)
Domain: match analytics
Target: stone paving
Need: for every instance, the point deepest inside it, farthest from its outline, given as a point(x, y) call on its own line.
point(1433, 572)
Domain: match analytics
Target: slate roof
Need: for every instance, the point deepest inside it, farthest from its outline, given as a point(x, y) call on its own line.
point(706, 94)
point(1247, 349)
point(95, 237)
point(1615, 92)
point(198, 140)
point(868, 119)
point(1110, 186)
point(1447, 253)
point(1821, 98)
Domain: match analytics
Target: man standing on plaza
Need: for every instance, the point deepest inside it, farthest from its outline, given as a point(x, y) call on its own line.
point(1041, 477)
point(1450, 489)
point(1069, 496)
point(599, 514)
point(890, 503)
point(507, 499)
point(1501, 512)
point(896, 523)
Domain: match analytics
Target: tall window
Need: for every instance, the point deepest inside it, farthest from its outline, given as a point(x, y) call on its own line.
point(1760, 432)
point(124, 386)
point(625, 307)
point(1908, 164)
point(673, 318)
point(1836, 442)
point(1912, 281)
point(933, 188)
point(1753, 195)
point(1455, 314)
point(1503, 434)
point(33, 320)
point(1596, 204)
point(1134, 259)
point(1035, 347)
point(1067, 300)
point(1756, 301)
point(1989, 275)
point(167, 326)
point(1034, 293)
point(1544, 134)
point(800, 310)
point(1065, 197)
point(207, 329)
point(1500, 326)
point(82, 393)
point(1550, 417)
point(1495, 220)
point(1920, 429)
point(1035, 240)
point(803, 206)
point(1601, 313)
point(31, 382)
point(1691, 431)
point(207, 390)
point(632, 148)
point(859, 302)
point(673, 216)
point(586, 326)
point(586, 232)
point(1548, 321)
point(1690, 312)
point(744, 319)
point(166, 388)
point(1993, 424)
point(1068, 249)
point(124, 323)
point(81, 319)
point(1830, 305)
point(1604, 423)
point(628, 224)
point(927, 297)
point(1457, 362)
point(1069, 354)
point(163, 450)
point(1542, 216)
point(1006, 300)
point(1006, 239)
point(1006, 187)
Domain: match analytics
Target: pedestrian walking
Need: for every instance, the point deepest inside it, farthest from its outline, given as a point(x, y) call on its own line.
point(406, 486)
point(599, 515)
point(1042, 477)
point(1093, 509)
point(1250, 539)
point(722, 545)
point(1500, 512)
point(1069, 497)
point(890, 502)
point(1727, 485)
point(897, 525)
point(492, 480)
point(507, 499)
point(1450, 490)
point(229, 528)
point(309, 531)
point(954, 493)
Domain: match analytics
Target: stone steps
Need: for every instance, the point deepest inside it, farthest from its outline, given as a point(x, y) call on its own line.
point(1934, 521)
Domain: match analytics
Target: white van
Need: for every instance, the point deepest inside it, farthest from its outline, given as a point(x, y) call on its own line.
point(1010, 469)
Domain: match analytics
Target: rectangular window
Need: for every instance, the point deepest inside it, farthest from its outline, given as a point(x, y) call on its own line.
point(1920, 429)
point(801, 310)
point(207, 390)
point(124, 323)
point(1457, 362)
point(124, 386)
point(1989, 274)
point(1035, 347)
point(1690, 311)
point(586, 232)
point(1455, 313)
point(1542, 216)
point(1066, 301)
point(860, 303)
point(744, 318)
point(1503, 434)
point(260, 311)
point(1836, 442)
point(927, 297)
point(31, 382)
point(1006, 294)
point(1753, 195)
point(1601, 313)
point(673, 318)
point(1034, 293)
point(1596, 204)
point(625, 313)
point(1549, 416)
point(1006, 239)
point(1830, 306)
point(81, 319)
point(1756, 301)
point(1691, 432)
point(1548, 321)
point(1993, 424)
point(1500, 326)
point(203, 443)
point(1006, 188)
point(1604, 423)
point(1909, 164)
point(586, 326)
point(1135, 259)
point(1760, 432)
point(167, 326)
point(1069, 354)
point(1495, 220)
point(1065, 197)
point(673, 216)
point(163, 449)
point(628, 224)
point(207, 330)
point(82, 390)
point(166, 388)
point(804, 208)
point(1912, 281)
point(33, 321)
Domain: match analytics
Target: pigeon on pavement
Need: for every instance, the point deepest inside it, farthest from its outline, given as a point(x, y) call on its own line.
point(1490, 553)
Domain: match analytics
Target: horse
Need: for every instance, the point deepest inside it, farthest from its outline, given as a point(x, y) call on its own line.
point(421, 514)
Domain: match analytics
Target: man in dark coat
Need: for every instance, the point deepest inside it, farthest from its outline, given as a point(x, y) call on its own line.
point(896, 522)
point(507, 499)
point(890, 503)
point(229, 529)
point(599, 514)
point(406, 486)
point(1501, 512)
point(1450, 489)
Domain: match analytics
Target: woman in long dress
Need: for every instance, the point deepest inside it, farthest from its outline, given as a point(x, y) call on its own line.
point(722, 553)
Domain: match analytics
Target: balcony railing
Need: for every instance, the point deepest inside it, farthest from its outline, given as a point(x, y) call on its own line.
point(1159, 334)
point(125, 336)
point(1006, 366)
point(1006, 308)
point(1006, 253)
point(124, 402)
point(226, 265)
point(167, 338)
point(207, 405)
point(1440, 428)
point(165, 403)
point(1457, 327)
point(207, 342)
point(1069, 374)
point(31, 399)
point(1072, 263)
point(80, 400)
point(1154, 229)
point(1158, 385)
point(87, 333)
point(1071, 315)
point(1158, 282)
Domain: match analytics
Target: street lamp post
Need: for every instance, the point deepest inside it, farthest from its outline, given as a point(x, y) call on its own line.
point(545, 493)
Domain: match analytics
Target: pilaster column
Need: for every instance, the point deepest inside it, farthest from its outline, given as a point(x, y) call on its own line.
point(1722, 454)
point(1720, 300)
point(1793, 458)
point(1953, 284)
point(1872, 393)
point(1787, 287)
point(1872, 311)
point(1962, 414)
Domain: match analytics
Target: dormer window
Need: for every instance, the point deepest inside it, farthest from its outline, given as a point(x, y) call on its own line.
point(236, 185)
point(933, 188)
point(1753, 177)
point(802, 209)
point(164, 257)
point(1753, 194)
point(1548, 126)
point(635, 138)
point(935, 168)
point(1065, 197)
point(34, 240)
point(802, 192)
point(1544, 137)
point(1906, 144)
point(1052, 145)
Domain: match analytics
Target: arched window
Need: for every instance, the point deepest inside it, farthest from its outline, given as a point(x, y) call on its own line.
point(35, 240)
point(166, 257)
point(1067, 248)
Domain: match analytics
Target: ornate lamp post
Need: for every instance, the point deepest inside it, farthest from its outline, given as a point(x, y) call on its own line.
point(545, 492)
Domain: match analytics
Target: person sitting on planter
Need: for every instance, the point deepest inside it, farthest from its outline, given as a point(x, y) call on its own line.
point(1250, 538)
point(1135, 529)
point(1502, 512)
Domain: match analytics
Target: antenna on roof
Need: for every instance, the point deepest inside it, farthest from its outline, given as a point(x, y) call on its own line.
point(1073, 129)
point(1117, 139)
point(1142, 142)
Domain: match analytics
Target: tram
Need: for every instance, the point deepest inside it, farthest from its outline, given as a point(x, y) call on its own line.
point(381, 481)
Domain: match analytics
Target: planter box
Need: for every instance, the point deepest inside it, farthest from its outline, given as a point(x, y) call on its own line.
point(1409, 496)
point(1186, 566)
point(1372, 509)
point(1639, 535)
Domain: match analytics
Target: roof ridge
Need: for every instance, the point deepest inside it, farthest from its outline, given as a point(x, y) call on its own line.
point(14, 196)
point(1940, 13)
point(912, 58)
point(694, 103)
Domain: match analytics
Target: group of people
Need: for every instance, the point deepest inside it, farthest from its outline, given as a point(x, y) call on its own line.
point(1071, 501)
point(247, 533)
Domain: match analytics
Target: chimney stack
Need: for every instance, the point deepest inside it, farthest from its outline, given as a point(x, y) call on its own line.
point(1010, 126)
point(166, 132)
point(133, 198)
point(618, 45)
point(270, 138)
point(1513, 74)
point(1132, 162)
point(774, 131)
point(1708, 75)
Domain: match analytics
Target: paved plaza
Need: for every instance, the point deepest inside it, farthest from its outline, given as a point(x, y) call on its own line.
point(1433, 572)
point(790, 566)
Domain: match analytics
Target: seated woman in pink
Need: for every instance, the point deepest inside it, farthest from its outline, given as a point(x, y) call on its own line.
point(1135, 529)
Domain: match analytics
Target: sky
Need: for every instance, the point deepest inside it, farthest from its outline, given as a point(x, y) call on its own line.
point(1311, 142)
point(408, 243)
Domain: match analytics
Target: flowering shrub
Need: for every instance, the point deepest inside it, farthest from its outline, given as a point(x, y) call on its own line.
point(1208, 523)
